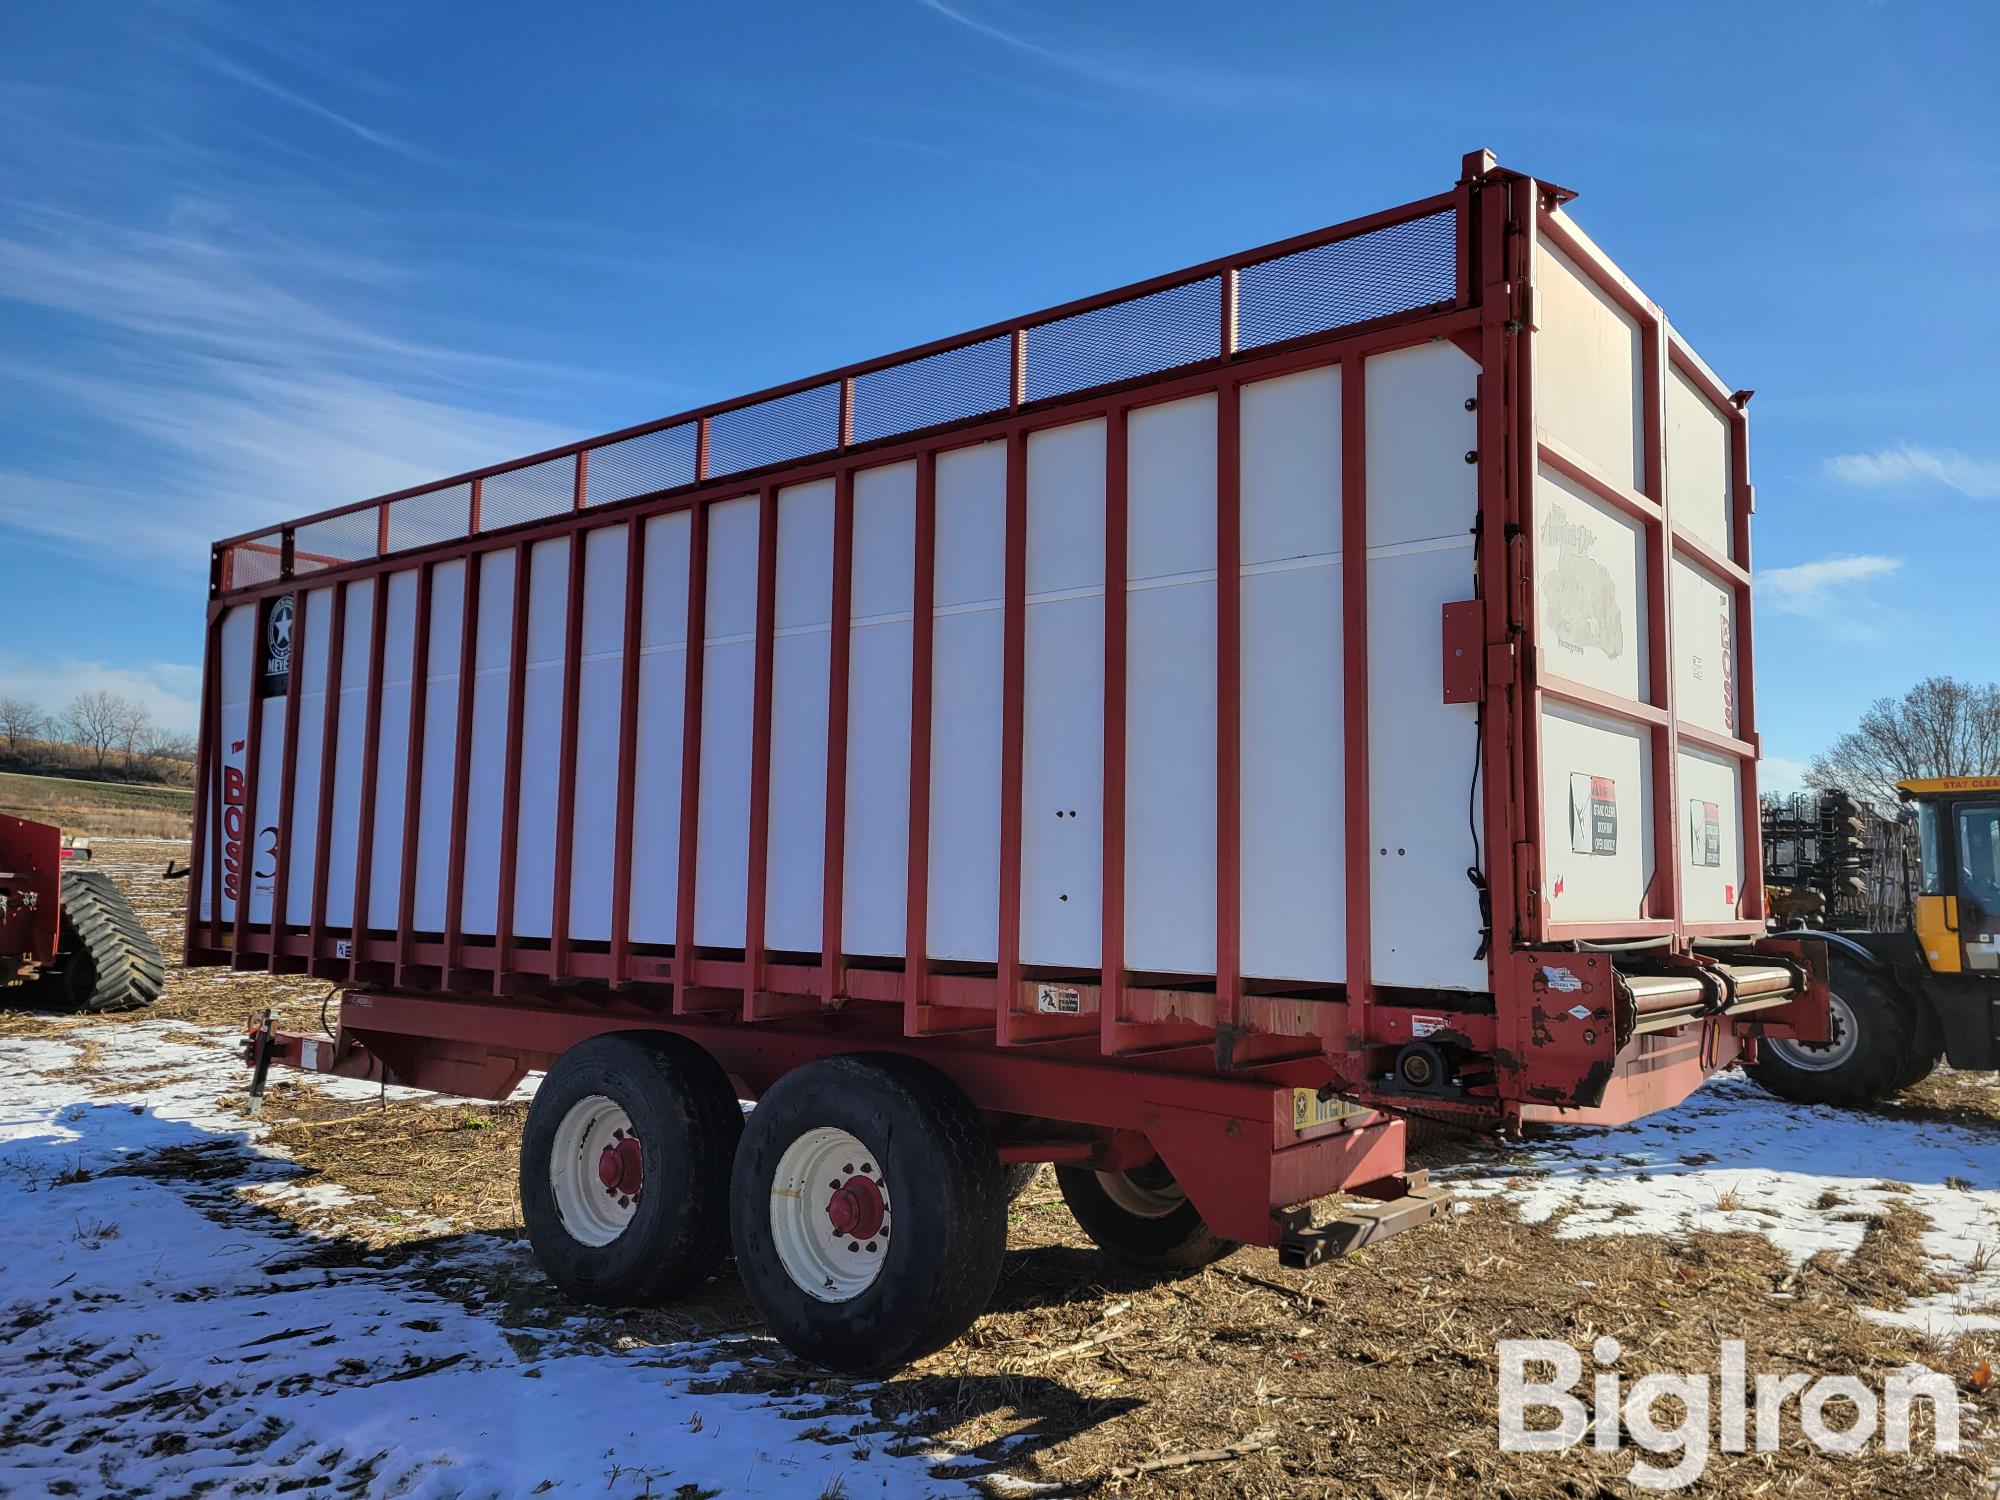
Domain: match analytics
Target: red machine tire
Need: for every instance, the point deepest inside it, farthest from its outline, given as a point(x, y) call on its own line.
point(850, 1272)
point(625, 1168)
point(1142, 1217)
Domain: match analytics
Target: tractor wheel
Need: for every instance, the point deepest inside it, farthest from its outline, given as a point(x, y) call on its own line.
point(106, 961)
point(1874, 1031)
point(625, 1168)
point(1926, 1045)
point(867, 1212)
point(1142, 1217)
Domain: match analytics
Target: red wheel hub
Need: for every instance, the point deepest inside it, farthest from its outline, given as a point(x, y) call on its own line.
point(856, 1208)
point(620, 1168)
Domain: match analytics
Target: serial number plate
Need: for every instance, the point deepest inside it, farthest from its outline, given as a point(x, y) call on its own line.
point(1308, 1109)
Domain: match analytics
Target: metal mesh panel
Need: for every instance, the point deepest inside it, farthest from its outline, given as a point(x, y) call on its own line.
point(544, 489)
point(1155, 332)
point(952, 384)
point(336, 540)
point(435, 516)
point(255, 561)
point(640, 465)
point(770, 432)
point(1392, 270)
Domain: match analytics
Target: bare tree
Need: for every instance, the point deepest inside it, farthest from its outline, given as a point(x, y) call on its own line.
point(134, 724)
point(1940, 727)
point(96, 720)
point(19, 720)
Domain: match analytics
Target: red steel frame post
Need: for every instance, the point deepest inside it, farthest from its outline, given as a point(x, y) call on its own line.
point(461, 764)
point(1228, 716)
point(832, 980)
point(691, 685)
point(760, 752)
point(329, 755)
point(205, 852)
point(1111, 956)
point(413, 777)
point(565, 851)
point(1743, 497)
point(371, 758)
point(1354, 692)
point(253, 757)
point(1666, 900)
point(288, 768)
point(628, 751)
point(923, 604)
point(1516, 233)
point(1013, 679)
point(510, 804)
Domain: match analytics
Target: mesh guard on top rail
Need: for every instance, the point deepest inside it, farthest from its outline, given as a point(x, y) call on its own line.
point(1406, 263)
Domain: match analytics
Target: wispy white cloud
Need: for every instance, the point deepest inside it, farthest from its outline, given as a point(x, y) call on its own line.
point(1214, 84)
point(1822, 587)
point(1978, 478)
point(227, 67)
point(169, 691)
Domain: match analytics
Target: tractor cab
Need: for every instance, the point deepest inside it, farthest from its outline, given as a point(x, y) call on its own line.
point(1957, 904)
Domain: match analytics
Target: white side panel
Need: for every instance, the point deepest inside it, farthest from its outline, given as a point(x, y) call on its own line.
point(966, 651)
point(303, 824)
point(729, 660)
point(656, 786)
point(1597, 816)
point(1422, 752)
point(1294, 826)
point(262, 849)
point(342, 844)
point(486, 777)
point(1704, 648)
point(1062, 764)
point(1170, 687)
point(1711, 835)
point(541, 737)
point(600, 677)
point(1698, 468)
point(1590, 589)
point(1588, 360)
point(795, 860)
point(392, 747)
point(877, 856)
point(1420, 488)
point(447, 635)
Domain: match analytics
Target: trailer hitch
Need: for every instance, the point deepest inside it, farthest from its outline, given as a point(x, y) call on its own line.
point(1304, 1243)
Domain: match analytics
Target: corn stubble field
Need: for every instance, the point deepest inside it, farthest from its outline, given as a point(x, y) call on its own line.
point(1372, 1377)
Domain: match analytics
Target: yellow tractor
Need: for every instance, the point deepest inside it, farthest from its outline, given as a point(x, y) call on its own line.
point(1902, 1000)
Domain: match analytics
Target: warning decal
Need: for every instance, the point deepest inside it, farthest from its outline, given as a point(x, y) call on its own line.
point(1593, 814)
point(1705, 834)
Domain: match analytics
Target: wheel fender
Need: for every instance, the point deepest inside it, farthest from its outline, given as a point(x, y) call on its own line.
point(1907, 978)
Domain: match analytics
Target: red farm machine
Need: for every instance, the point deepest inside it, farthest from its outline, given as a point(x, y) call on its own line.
point(1174, 736)
point(68, 938)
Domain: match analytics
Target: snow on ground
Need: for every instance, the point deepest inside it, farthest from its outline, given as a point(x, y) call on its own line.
point(1808, 1178)
point(159, 1333)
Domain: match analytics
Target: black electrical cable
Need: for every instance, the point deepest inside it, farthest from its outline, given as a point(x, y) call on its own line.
point(1473, 871)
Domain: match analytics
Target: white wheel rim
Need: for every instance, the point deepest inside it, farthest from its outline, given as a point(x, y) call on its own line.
point(596, 1168)
point(1823, 1057)
point(830, 1215)
point(1140, 1200)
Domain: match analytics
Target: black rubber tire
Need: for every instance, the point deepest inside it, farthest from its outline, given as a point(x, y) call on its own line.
point(1017, 1177)
point(1926, 1048)
point(950, 1221)
point(1885, 1024)
point(1177, 1239)
point(106, 962)
point(684, 1111)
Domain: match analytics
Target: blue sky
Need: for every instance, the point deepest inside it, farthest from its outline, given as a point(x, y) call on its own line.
point(257, 259)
